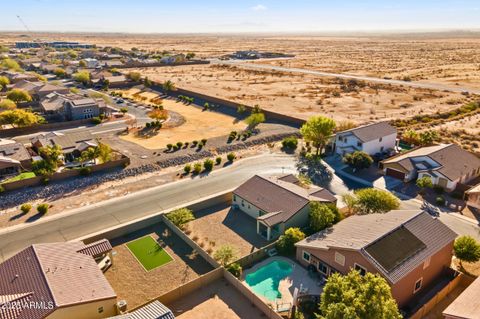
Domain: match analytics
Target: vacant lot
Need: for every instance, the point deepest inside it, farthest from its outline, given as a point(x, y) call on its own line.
point(218, 300)
point(133, 283)
point(198, 125)
point(222, 225)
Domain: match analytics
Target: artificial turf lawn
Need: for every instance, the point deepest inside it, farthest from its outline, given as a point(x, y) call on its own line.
point(149, 253)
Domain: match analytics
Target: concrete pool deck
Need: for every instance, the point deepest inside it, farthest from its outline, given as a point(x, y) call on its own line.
point(298, 277)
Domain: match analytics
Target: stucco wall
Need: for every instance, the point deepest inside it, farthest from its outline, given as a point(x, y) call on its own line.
point(371, 147)
point(300, 219)
point(246, 206)
point(86, 311)
point(474, 200)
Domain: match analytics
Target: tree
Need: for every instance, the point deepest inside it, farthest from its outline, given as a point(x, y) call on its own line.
point(72, 54)
point(318, 130)
point(4, 81)
point(124, 110)
point(286, 242)
point(428, 137)
point(235, 269)
point(374, 201)
point(158, 114)
point(181, 216)
point(424, 182)
point(187, 169)
point(255, 119)
point(358, 160)
point(190, 55)
point(225, 254)
point(10, 64)
point(7, 105)
point(19, 96)
point(82, 63)
point(290, 143)
point(90, 154)
point(356, 296)
point(322, 216)
point(197, 168)
point(104, 152)
point(208, 165)
point(60, 72)
point(51, 156)
point(20, 118)
point(82, 77)
point(466, 248)
point(168, 86)
point(134, 76)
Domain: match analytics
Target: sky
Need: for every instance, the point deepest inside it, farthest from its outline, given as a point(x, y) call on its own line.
point(229, 16)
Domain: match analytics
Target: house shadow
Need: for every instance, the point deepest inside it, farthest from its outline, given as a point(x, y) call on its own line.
point(244, 226)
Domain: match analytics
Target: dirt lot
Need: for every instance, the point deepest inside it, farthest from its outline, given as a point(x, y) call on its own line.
point(198, 125)
point(132, 283)
point(221, 225)
point(218, 300)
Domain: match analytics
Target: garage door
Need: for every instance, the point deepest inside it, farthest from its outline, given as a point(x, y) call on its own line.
point(395, 173)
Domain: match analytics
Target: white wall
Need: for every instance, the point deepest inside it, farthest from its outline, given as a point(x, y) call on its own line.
point(246, 207)
point(371, 147)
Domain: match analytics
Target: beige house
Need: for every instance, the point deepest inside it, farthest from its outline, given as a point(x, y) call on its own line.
point(56, 281)
point(446, 164)
point(14, 157)
point(473, 196)
point(410, 249)
point(278, 203)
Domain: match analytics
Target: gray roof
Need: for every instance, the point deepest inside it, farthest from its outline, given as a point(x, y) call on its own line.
point(361, 232)
point(154, 310)
point(15, 151)
point(274, 195)
point(68, 142)
point(454, 162)
point(371, 132)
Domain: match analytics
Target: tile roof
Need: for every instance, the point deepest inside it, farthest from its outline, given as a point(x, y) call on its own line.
point(15, 151)
point(154, 310)
point(371, 132)
point(454, 162)
point(274, 195)
point(68, 142)
point(96, 248)
point(467, 305)
point(361, 231)
point(55, 275)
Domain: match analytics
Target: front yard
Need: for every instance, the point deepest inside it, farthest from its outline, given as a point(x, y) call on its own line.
point(134, 283)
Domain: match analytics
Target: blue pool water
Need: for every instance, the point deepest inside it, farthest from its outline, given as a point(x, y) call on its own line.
point(265, 280)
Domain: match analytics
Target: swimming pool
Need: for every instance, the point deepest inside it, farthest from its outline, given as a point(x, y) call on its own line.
point(265, 280)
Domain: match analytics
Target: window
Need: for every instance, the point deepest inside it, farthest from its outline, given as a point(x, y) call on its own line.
point(418, 285)
point(234, 198)
point(339, 259)
point(243, 203)
point(345, 139)
point(323, 268)
point(249, 206)
point(306, 256)
point(100, 309)
point(426, 263)
point(359, 144)
point(360, 269)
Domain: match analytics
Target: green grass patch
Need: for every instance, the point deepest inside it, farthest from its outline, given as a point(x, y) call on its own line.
point(20, 177)
point(149, 253)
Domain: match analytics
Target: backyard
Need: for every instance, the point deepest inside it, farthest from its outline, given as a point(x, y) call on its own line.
point(191, 124)
point(169, 267)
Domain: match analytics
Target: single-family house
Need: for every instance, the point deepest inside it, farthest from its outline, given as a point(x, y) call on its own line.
point(466, 305)
point(14, 157)
point(80, 108)
point(278, 203)
point(410, 249)
point(56, 281)
point(473, 196)
point(372, 139)
point(15, 77)
point(153, 310)
point(91, 63)
point(39, 90)
point(72, 144)
point(446, 164)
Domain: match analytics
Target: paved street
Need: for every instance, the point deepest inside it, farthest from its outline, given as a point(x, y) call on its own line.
point(424, 85)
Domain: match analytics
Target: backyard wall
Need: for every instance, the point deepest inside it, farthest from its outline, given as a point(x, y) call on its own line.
point(37, 180)
point(255, 257)
point(159, 64)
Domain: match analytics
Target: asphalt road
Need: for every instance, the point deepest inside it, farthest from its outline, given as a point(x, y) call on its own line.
point(423, 85)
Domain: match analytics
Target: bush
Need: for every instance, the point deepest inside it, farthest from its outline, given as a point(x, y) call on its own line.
point(218, 160)
point(225, 254)
point(208, 165)
point(195, 143)
point(148, 125)
point(235, 269)
point(358, 160)
point(42, 208)
point(187, 168)
point(231, 157)
point(181, 216)
point(169, 146)
point(286, 242)
point(179, 144)
point(197, 168)
point(290, 143)
point(204, 141)
point(25, 208)
point(440, 200)
point(466, 248)
point(84, 171)
point(438, 189)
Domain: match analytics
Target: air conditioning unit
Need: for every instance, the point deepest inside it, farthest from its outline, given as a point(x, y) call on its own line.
point(121, 306)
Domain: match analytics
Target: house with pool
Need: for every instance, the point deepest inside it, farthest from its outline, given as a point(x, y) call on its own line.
point(410, 249)
point(278, 202)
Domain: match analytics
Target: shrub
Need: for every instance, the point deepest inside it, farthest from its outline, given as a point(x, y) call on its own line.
point(235, 269)
point(438, 189)
point(466, 248)
point(225, 254)
point(218, 160)
point(187, 168)
point(148, 125)
point(181, 216)
point(286, 242)
point(440, 200)
point(169, 146)
point(42, 208)
point(25, 208)
point(179, 144)
point(204, 141)
point(197, 168)
point(358, 160)
point(84, 171)
point(290, 143)
point(208, 165)
point(195, 143)
point(96, 120)
point(175, 147)
point(231, 157)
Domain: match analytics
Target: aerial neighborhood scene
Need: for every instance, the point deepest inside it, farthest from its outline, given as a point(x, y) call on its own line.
point(225, 160)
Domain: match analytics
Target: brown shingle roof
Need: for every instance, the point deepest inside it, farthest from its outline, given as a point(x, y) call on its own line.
point(361, 231)
point(15, 151)
point(276, 196)
point(371, 132)
point(467, 305)
point(54, 274)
